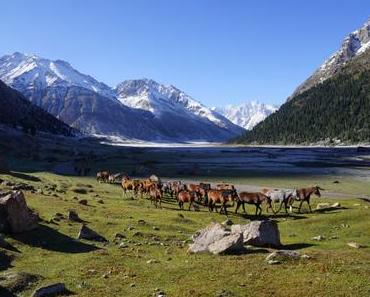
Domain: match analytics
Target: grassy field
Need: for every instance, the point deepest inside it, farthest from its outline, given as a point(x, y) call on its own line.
point(91, 269)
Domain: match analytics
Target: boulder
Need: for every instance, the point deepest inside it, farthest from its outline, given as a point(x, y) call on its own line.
point(15, 216)
point(89, 234)
point(51, 290)
point(321, 206)
point(232, 243)
point(16, 282)
point(215, 238)
point(259, 233)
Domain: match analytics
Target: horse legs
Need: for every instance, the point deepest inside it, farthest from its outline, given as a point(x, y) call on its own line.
point(309, 206)
point(244, 207)
point(300, 205)
point(237, 206)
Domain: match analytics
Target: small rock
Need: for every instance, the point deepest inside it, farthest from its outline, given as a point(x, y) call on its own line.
point(335, 205)
point(100, 201)
point(73, 216)
point(151, 261)
point(137, 233)
point(155, 228)
point(306, 257)
point(273, 262)
point(354, 245)
point(105, 275)
point(119, 236)
point(51, 290)
point(282, 255)
point(318, 238)
point(321, 206)
point(132, 285)
point(141, 222)
point(122, 245)
point(83, 202)
point(89, 234)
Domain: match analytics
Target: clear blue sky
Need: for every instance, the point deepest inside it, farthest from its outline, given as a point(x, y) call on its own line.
point(219, 52)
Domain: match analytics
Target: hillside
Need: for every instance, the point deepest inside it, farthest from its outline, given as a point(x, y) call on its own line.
point(336, 109)
point(15, 110)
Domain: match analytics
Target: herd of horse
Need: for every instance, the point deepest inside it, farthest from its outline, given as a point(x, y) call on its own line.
point(222, 195)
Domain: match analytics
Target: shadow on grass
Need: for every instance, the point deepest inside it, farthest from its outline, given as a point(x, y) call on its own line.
point(6, 293)
point(296, 246)
point(253, 217)
point(24, 176)
point(47, 238)
point(5, 261)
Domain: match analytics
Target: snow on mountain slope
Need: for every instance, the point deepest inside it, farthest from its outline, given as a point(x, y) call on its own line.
point(356, 43)
point(147, 94)
point(248, 114)
point(30, 71)
point(145, 110)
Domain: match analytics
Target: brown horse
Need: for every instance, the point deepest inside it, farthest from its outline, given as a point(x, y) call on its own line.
point(102, 176)
point(176, 188)
point(221, 197)
point(128, 184)
point(187, 197)
point(304, 194)
point(155, 195)
point(252, 198)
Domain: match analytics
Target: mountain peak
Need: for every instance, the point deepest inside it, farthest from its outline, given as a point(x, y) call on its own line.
point(356, 43)
point(25, 70)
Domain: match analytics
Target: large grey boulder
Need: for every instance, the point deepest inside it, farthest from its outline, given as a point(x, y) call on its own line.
point(232, 243)
point(215, 238)
point(259, 233)
point(15, 216)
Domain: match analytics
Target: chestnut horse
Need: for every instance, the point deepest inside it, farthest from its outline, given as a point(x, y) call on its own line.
point(252, 198)
point(155, 195)
point(304, 194)
point(186, 196)
point(222, 197)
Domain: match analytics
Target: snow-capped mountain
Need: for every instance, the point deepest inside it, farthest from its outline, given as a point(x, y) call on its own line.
point(136, 109)
point(33, 72)
point(161, 100)
point(355, 44)
point(248, 114)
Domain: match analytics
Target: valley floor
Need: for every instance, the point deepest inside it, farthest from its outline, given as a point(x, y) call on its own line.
point(91, 269)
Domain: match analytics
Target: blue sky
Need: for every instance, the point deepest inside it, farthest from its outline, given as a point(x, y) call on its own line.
point(219, 52)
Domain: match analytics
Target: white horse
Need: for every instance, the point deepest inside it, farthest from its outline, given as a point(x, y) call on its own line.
point(284, 196)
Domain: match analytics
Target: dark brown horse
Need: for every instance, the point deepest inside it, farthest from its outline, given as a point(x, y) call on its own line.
point(256, 199)
point(304, 194)
point(187, 197)
point(221, 197)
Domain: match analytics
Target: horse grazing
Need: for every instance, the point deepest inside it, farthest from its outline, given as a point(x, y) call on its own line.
point(102, 176)
point(187, 197)
point(221, 197)
point(304, 194)
point(252, 198)
point(155, 195)
point(176, 188)
point(284, 196)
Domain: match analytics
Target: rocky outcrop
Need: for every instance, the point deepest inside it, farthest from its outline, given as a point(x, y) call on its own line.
point(15, 216)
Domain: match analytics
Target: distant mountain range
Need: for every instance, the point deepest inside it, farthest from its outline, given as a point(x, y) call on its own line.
point(331, 107)
point(247, 115)
point(136, 109)
point(17, 112)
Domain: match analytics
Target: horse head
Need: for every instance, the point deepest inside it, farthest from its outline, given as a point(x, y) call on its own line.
point(317, 191)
